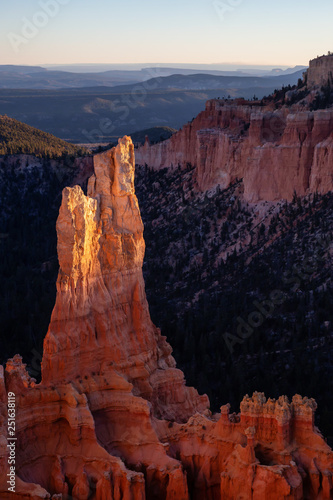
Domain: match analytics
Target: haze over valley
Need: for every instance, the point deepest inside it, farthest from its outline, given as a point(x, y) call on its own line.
point(100, 107)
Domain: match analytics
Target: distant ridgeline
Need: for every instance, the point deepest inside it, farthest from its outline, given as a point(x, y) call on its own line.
point(320, 72)
point(18, 138)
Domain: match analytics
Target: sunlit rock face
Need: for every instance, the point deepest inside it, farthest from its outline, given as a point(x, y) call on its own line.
point(275, 152)
point(101, 322)
point(112, 418)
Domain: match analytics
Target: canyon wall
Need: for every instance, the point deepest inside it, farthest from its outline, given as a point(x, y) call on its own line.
point(112, 418)
point(275, 152)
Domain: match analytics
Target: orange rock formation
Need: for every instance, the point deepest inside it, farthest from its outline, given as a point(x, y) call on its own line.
point(274, 152)
point(112, 418)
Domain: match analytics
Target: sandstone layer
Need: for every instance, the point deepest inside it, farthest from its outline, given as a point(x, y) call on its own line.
point(112, 418)
point(275, 152)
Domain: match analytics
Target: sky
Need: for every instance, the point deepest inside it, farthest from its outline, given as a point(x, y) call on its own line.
point(244, 32)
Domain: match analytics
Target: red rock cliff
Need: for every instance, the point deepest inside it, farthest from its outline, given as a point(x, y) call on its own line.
point(112, 418)
point(274, 152)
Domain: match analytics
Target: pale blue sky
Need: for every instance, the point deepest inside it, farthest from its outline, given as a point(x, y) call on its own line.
point(278, 32)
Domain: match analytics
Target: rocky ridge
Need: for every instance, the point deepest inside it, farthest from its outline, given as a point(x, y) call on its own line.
point(112, 417)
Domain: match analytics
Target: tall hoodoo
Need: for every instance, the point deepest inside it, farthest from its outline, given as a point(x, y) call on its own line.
point(101, 318)
point(112, 418)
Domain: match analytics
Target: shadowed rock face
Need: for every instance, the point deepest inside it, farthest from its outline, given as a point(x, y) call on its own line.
point(112, 418)
point(275, 152)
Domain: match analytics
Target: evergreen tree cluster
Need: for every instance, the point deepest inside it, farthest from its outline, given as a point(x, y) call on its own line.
point(211, 264)
point(18, 138)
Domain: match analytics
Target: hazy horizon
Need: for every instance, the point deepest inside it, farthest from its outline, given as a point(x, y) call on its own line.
point(141, 65)
point(101, 67)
